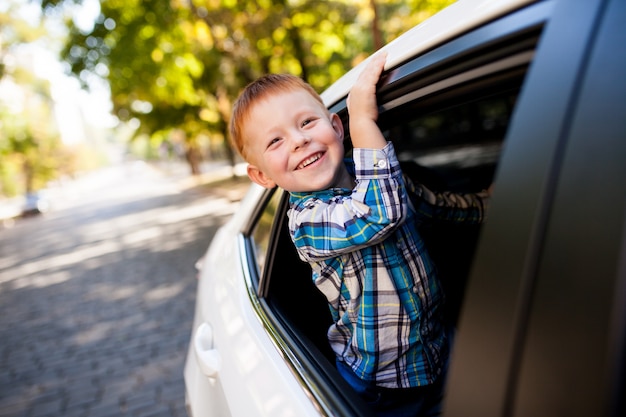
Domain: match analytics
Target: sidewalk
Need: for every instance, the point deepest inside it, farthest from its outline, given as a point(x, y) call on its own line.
point(231, 182)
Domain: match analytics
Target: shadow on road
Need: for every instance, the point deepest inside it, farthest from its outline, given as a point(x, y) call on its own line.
point(97, 299)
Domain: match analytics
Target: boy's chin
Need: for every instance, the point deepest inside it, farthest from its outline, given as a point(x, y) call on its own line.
point(312, 188)
point(308, 188)
point(321, 180)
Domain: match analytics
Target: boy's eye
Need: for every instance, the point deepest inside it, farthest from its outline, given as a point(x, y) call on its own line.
point(306, 122)
point(273, 142)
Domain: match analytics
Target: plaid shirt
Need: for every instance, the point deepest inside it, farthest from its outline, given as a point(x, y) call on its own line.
point(372, 266)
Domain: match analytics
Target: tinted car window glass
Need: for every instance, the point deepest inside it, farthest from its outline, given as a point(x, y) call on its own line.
point(452, 143)
point(262, 230)
point(455, 148)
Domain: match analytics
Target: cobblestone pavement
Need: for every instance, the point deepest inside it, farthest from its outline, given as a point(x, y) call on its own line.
point(97, 296)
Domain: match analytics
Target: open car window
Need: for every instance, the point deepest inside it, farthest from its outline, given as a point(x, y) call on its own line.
point(452, 142)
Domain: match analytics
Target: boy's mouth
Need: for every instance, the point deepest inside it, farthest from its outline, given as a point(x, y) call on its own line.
point(311, 159)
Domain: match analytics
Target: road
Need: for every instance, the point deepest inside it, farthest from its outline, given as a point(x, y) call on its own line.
point(97, 296)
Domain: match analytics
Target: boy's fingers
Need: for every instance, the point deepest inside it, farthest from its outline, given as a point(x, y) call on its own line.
point(364, 90)
point(374, 68)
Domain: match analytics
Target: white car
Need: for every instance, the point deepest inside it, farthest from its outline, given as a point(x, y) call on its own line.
point(529, 95)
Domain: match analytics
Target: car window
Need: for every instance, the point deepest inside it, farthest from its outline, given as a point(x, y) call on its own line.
point(449, 142)
point(457, 148)
point(453, 145)
point(262, 230)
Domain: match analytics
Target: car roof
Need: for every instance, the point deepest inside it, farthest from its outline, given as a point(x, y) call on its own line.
point(449, 23)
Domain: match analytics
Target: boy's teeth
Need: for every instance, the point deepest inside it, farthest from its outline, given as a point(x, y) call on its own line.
point(309, 161)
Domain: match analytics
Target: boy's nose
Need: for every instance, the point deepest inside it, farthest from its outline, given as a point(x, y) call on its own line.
point(300, 141)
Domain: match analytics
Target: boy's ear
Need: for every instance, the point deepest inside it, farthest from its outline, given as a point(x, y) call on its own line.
point(335, 120)
point(259, 177)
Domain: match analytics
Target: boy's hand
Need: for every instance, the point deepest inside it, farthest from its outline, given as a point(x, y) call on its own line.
point(362, 97)
point(362, 106)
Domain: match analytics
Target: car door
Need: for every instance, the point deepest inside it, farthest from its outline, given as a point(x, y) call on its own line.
point(543, 326)
point(447, 112)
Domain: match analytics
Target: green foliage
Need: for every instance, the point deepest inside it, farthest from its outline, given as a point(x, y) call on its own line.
point(176, 65)
point(397, 17)
point(31, 152)
point(28, 156)
point(27, 138)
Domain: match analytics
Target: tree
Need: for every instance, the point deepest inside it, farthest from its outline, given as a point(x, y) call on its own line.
point(29, 141)
point(175, 66)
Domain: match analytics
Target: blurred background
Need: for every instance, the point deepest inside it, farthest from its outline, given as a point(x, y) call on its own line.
point(87, 83)
point(113, 119)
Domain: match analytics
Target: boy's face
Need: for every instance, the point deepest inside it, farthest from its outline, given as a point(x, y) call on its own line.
point(291, 141)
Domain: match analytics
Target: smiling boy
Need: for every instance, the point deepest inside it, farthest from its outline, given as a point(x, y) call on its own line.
point(355, 223)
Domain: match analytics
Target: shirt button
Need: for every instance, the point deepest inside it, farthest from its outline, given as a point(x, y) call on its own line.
point(415, 290)
point(381, 164)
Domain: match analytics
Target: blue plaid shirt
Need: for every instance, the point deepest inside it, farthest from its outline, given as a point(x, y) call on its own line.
point(371, 264)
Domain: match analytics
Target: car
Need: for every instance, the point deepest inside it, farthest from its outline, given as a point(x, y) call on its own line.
point(527, 95)
point(35, 203)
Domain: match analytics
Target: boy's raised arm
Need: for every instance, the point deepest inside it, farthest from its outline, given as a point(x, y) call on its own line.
point(362, 106)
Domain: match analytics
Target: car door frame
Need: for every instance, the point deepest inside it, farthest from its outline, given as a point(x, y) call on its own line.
point(494, 368)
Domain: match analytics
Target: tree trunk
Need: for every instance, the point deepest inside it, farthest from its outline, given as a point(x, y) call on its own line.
point(377, 37)
point(29, 177)
point(193, 157)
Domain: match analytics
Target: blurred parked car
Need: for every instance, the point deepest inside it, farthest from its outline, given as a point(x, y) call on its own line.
point(528, 94)
point(35, 203)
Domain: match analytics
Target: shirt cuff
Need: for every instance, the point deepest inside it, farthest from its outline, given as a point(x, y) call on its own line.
point(375, 163)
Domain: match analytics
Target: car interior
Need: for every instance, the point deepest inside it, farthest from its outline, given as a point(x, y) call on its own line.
point(448, 138)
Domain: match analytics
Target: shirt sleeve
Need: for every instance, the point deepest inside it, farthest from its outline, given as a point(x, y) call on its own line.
point(340, 223)
point(470, 208)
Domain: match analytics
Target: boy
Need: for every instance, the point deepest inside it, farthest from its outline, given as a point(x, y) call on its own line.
point(356, 227)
